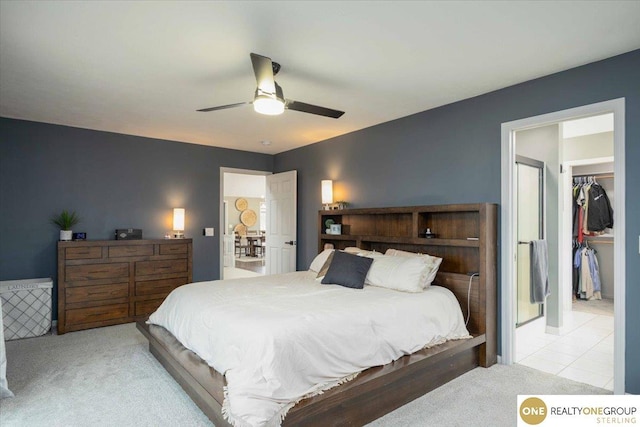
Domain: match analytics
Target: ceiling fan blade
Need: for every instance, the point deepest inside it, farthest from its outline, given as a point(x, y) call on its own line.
point(224, 107)
point(313, 109)
point(263, 69)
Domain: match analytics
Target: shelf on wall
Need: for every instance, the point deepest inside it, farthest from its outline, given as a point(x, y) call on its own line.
point(399, 239)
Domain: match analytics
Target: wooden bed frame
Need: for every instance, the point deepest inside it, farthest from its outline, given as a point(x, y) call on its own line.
point(466, 239)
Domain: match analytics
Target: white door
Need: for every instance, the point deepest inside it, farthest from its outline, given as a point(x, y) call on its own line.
point(281, 217)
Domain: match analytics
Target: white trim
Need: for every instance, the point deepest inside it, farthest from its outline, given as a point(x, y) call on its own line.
point(224, 170)
point(617, 106)
point(619, 269)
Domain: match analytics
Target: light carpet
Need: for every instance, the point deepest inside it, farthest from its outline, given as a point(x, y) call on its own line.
point(107, 377)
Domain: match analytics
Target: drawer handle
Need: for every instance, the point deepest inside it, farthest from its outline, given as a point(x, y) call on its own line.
point(103, 294)
point(99, 271)
point(98, 293)
point(98, 314)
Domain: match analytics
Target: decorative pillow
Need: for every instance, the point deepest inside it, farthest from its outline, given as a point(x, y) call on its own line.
point(320, 259)
point(347, 270)
point(325, 267)
point(432, 264)
point(395, 272)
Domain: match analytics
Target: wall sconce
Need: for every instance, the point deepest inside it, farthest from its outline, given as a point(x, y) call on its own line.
point(327, 193)
point(178, 223)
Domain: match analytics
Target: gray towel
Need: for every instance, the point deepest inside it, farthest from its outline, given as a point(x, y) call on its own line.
point(539, 271)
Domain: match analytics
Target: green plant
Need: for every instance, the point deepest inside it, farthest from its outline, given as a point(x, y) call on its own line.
point(65, 220)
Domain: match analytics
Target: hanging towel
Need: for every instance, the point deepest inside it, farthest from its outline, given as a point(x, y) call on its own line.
point(539, 271)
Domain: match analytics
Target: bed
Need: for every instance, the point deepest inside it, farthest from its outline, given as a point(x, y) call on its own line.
point(347, 399)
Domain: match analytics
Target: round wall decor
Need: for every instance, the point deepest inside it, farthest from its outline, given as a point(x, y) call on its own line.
point(241, 204)
point(248, 217)
point(241, 229)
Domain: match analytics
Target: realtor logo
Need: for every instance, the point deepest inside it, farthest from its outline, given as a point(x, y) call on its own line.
point(533, 411)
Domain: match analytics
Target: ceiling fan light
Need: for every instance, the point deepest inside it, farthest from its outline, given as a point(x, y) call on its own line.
point(264, 104)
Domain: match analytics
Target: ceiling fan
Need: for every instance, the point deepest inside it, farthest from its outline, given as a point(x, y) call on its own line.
point(269, 99)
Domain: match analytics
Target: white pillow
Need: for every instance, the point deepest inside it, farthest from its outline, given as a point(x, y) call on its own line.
point(319, 260)
point(362, 252)
point(431, 263)
point(398, 273)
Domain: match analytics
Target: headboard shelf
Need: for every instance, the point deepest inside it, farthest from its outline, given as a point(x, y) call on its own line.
point(404, 240)
point(465, 239)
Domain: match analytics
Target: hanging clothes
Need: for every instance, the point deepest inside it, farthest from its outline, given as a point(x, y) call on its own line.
point(600, 211)
point(592, 212)
point(587, 284)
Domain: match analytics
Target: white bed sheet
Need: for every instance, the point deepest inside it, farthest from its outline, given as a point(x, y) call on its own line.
point(280, 338)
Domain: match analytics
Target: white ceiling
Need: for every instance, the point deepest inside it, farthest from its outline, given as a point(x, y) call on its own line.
point(143, 68)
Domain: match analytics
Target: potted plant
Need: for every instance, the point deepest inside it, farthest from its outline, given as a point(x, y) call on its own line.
point(65, 220)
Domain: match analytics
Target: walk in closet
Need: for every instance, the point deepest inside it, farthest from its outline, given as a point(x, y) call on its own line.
point(593, 236)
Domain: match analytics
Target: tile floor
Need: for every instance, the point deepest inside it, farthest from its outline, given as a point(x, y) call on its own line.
point(583, 353)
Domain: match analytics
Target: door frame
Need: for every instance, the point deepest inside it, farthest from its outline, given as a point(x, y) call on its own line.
point(507, 257)
point(221, 204)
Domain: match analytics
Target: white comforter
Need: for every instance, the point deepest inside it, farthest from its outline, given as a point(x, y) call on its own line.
point(280, 338)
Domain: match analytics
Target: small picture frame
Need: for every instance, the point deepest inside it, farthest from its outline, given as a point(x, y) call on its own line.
point(335, 229)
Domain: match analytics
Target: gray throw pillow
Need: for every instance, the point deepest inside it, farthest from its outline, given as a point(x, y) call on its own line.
point(347, 270)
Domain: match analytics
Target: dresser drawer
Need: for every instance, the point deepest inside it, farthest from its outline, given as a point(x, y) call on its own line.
point(145, 308)
point(161, 267)
point(162, 286)
point(96, 293)
point(97, 271)
point(97, 314)
point(130, 250)
point(174, 248)
point(83, 252)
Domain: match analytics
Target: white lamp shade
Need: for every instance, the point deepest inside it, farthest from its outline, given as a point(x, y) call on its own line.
point(264, 104)
point(178, 219)
point(327, 191)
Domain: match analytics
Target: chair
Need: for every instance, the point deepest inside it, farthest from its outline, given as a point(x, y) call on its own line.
point(241, 246)
point(259, 246)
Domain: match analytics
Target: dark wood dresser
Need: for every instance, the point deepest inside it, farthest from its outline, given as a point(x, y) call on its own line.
point(108, 282)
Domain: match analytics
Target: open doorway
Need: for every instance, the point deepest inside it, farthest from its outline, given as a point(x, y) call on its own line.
point(551, 330)
point(244, 221)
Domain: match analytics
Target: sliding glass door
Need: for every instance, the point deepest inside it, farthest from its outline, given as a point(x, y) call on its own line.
point(530, 199)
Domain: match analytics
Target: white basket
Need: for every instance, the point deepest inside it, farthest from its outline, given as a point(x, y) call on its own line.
point(26, 307)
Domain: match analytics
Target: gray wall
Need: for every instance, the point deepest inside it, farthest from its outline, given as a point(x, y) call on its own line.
point(112, 181)
point(543, 144)
point(451, 154)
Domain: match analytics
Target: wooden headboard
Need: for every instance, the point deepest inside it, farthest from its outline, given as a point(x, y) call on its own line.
point(464, 237)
